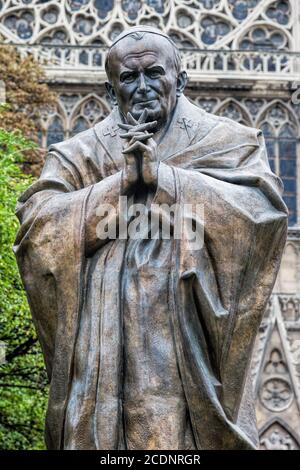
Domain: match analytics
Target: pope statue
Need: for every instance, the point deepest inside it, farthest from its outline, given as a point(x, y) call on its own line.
point(148, 339)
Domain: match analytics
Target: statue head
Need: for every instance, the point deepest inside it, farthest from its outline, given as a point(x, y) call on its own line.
point(143, 67)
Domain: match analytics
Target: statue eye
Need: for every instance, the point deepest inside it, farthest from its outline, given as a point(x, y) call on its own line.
point(128, 77)
point(154, 73)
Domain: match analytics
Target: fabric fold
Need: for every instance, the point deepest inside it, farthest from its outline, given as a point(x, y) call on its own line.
point(217, 291)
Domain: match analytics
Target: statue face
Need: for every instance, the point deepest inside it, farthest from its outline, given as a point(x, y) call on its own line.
point(144, 76)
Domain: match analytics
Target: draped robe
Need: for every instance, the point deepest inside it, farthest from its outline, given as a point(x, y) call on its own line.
point(216, 295)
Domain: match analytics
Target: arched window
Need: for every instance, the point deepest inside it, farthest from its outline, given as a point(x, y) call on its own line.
point(79, 125)
point(270, 139)
point(87, 113)
point(287, 158)
point(55, 131)
point(281, 139)
point(235, 111)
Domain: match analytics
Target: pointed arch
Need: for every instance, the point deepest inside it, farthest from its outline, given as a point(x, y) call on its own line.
point(87, 112)
point(55, 130)
point(231, 108)
point(52, 126)
point(290, 441)
point(281, 130)
point(287, 109)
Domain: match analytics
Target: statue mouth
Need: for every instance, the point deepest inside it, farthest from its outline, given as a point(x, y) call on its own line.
point(144, 102)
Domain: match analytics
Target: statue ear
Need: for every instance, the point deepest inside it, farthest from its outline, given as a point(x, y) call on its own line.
point(111, 92)
point(181, 82)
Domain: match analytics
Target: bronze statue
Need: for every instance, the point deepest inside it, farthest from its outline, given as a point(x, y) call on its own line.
point(147, 340)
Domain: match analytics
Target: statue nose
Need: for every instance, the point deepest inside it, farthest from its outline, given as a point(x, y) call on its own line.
point(142, 83)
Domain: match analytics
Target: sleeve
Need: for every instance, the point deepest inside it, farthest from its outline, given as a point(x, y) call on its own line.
point(52, 243)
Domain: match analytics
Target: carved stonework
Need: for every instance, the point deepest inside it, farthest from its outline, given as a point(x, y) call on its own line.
point(215, 24)
point(276, 394)
point(277, 437)
point(290, 307)
point(276, 367)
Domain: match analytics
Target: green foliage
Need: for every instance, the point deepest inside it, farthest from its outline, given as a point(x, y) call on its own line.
point(27, 93)
point(23, 382)
point(27, 97)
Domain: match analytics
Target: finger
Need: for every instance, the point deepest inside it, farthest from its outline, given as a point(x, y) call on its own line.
point(151, 154)
point(138, 128)
point(131, 119)
point(124, 126)
point(130, 148)
point(140, 138)
point(143, 116)
point(137, 135)
point(146, 126)
point(128, 135)
point(136, 146)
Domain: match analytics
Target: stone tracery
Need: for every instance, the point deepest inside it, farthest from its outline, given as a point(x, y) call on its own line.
point(203, 23)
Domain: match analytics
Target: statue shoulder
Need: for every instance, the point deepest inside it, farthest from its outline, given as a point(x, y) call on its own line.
point(226, 128)
point(247, 133)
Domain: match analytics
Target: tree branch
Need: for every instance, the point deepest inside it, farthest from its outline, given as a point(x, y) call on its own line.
point(21, 349)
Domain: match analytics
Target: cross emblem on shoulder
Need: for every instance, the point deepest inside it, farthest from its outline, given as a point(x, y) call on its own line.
point(185, 122)
point(111, 130)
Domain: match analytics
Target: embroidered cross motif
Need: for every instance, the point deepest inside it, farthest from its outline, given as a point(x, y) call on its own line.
point(112, 131)
point(185, 122)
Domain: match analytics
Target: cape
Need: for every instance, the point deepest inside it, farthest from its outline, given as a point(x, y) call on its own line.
point(218, 293)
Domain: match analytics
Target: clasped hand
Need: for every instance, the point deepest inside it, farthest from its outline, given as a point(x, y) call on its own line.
point(141, 161)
